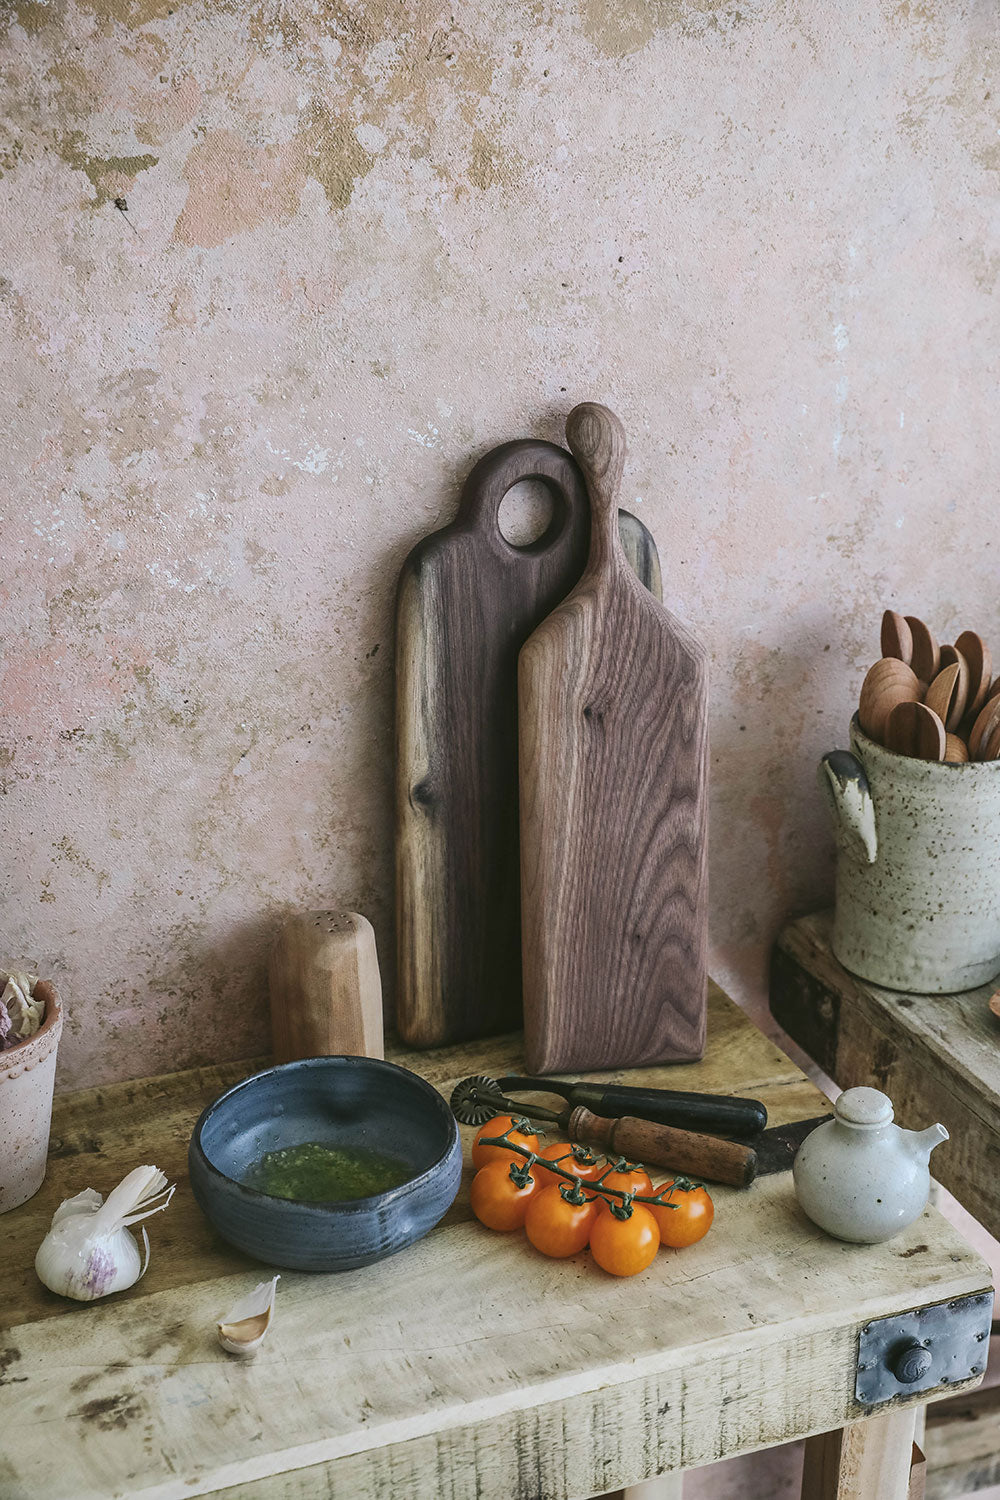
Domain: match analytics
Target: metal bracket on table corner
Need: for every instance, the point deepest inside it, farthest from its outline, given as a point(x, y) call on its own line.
point(922, 1350)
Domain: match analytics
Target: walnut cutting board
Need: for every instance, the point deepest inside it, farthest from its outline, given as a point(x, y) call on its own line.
point(613, 808)
point(467, 601)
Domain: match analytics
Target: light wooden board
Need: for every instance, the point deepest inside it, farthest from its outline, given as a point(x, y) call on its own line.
point(936, 1056)
point(466, 1366)
point(613, 747)
point(467, 602)
point(962, 1443)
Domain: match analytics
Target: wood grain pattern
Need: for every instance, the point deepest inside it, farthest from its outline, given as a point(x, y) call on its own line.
point(325, 987)
point(948, 693)
point(468, 1366)
point(863, 1461)
point(467, 601)
point(916, 730)
point(887, 683)
point(925, 658)
point(613, 761)
point(896, 636)
point(976, 653)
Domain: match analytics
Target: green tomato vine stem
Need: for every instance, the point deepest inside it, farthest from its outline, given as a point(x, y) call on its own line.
point(622, 1209)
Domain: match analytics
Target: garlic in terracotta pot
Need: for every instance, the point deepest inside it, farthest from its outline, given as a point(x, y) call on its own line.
point(88, 1251)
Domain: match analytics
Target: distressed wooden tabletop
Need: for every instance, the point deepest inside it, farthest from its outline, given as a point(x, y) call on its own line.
point(467, 1365)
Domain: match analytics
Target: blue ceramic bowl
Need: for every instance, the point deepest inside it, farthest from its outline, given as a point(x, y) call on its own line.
point(340, 1101)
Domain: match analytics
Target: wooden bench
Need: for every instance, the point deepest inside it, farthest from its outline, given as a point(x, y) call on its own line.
point(468, 1365)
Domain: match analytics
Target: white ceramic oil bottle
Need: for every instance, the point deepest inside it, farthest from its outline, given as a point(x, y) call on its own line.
point(859, 1176)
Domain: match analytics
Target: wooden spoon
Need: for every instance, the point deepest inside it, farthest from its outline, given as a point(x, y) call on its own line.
point(948, 692)
point(889, 681)
point(977, 654)
point(926, 657)
point(897, 638)
point(914, 729)
point(986, 721)
point(956, 751)
point(995, 1004)
point(989, 745)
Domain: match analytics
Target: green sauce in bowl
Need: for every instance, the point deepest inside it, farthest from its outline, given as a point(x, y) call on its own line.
point(314, 1173)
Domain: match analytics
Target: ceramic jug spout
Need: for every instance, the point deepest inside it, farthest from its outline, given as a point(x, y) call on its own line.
point(843, 781)
point(920, 1143)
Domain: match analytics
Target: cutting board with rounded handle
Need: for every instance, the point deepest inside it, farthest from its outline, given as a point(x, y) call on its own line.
point(613, 698)
point(468, 599)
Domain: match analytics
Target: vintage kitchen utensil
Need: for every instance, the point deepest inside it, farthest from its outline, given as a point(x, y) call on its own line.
point(699, 1155)
point(926, 655)
point(467, 601)
point(612, 698)
point(716, 1114)
point(976, 652)
point(326, 992)
point(947, 694)
point(887, 683)
point(897, 638)
point(914, 729)
point(859, 1176)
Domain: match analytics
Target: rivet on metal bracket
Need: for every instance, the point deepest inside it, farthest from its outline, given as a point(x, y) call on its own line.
point(921, 1350)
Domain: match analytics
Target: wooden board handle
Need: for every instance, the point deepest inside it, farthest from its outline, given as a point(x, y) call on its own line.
point(596, 439)
point(662, 1146)
point(513, 463)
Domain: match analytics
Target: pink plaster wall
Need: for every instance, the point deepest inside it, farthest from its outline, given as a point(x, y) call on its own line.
point(365, 242)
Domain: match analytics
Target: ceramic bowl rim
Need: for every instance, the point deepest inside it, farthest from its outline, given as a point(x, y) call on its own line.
point(322, 1207)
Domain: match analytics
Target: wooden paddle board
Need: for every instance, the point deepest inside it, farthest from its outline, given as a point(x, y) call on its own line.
point(467, 602)
point(613, 698)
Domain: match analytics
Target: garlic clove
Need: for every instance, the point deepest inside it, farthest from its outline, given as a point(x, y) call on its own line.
point(245, 1326)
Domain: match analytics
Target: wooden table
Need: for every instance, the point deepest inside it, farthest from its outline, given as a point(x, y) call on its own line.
point(467, 1365)
point(938, 1058)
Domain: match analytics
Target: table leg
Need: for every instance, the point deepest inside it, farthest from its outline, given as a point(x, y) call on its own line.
point(867, 1458)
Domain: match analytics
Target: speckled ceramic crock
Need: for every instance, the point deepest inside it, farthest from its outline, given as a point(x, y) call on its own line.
point(27, 1077)
point(341, 1101)
point(918, 867)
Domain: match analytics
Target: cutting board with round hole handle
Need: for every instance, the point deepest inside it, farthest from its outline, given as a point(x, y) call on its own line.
point(613, 700)
point(467, 601)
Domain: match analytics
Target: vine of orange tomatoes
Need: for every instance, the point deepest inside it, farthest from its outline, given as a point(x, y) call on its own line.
point(611, 1206)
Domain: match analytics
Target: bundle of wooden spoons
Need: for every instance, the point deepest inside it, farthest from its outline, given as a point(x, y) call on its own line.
point(929, 701)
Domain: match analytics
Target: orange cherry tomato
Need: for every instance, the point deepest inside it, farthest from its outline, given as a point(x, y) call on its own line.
point(557, 1227)
point(496, 1199)
point(579, 1161)
point(689, 1220)
point(483, 1154)
point(628, 1179)
point(624, 1247)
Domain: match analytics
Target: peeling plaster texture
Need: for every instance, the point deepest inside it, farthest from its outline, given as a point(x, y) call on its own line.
point(362, 243)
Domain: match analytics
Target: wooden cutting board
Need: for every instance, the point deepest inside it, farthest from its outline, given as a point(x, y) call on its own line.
point(467, 602)
point(614, 811)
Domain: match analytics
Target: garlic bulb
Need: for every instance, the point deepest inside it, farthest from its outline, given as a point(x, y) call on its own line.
point(243, 1329)
point(88, 1251)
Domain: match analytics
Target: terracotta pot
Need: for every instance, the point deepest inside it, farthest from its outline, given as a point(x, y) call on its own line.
point(918, 867)
point(27, 1076)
